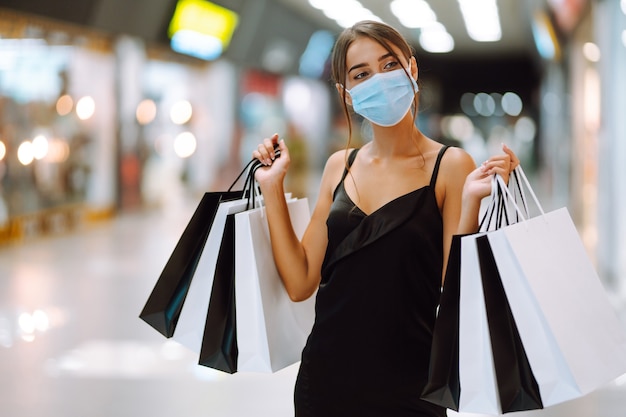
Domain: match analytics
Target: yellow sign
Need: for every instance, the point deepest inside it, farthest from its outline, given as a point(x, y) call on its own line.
point(205, 18)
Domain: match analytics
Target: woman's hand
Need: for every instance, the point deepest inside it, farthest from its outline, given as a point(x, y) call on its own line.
point(478, 182)
point(275, 168)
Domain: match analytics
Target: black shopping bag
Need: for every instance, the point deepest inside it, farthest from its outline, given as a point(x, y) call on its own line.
point(163, 307)
point(219, 342)
point(443, 386)
point(517, 387)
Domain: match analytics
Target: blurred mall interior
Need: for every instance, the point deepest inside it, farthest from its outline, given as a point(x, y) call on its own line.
point(117, 115)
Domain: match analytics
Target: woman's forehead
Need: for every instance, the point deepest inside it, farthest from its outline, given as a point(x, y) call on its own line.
point(367, 50)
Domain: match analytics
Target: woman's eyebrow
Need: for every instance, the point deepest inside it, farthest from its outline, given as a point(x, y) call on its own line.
point(363, 64)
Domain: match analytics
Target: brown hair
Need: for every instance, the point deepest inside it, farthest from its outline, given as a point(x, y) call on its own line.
point(382, 33)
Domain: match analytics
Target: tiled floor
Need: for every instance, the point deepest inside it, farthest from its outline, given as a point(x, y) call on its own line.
point(72, 345)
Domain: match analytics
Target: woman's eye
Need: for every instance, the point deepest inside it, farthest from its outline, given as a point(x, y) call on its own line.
point(360, 75)
point(391, 65)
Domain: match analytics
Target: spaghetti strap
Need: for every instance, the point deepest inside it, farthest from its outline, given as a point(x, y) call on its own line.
point(351, 159)
point(433, 178)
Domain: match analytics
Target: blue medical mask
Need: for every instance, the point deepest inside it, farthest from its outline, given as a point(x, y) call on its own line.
point(385, 98)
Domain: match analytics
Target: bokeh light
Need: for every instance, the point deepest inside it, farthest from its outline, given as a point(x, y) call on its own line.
point(146, 111)
point(525, 129)
point(85, 108)
point(181, 112)
point(591, 51)
point(512, 104)
point(25, 153)
point(185, 144)
point(40, 147)
point(64, 105)
point(484, 104)
point(58, 151)
point(467, 104)
point(458, 127)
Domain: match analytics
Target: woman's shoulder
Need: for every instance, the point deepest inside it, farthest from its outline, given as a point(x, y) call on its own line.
point(335, 165)
point(456, 154)
point(456, 161)
point(338, 159)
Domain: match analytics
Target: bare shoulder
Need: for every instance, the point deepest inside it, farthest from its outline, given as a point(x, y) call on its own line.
point(456, 164)
point(335, 164)
point(338, 158)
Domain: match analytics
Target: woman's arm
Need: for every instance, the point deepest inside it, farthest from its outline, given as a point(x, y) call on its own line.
point(298, 262)
point(465, 186)
point(459, 212)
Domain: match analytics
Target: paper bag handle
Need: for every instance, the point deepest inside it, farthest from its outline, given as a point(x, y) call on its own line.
point(524, 215)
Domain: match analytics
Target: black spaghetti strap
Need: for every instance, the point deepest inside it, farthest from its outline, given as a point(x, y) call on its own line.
point(351, 159)
point(433, 178)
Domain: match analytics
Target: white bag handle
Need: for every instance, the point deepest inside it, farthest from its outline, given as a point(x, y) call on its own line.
point(524, 215)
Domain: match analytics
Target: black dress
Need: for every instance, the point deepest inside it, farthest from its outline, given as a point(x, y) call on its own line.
point(369, 349)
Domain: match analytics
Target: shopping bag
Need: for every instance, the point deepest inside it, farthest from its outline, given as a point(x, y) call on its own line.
point(516, 385)
point(189, 330)
point(219, 346)
point(574, 340)
point(164, 304)
point(219, 341)
point(162, 309)
point(479, 393)
point(443, 387)
point(271, 329)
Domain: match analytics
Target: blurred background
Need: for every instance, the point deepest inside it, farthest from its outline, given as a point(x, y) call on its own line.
point(117, 115)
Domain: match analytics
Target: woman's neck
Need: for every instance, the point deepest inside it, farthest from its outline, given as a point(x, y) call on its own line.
point(398, 141)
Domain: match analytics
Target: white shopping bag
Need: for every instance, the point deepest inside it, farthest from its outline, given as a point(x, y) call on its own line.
point(477, 378)
point(190, 327)
point(574, 340)
point(271, 329)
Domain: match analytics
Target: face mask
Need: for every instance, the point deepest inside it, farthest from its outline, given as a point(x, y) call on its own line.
point(385, 98)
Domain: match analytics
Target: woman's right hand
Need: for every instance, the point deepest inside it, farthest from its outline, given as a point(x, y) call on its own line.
point(275, 168)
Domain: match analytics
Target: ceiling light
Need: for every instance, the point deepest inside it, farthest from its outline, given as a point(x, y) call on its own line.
point(340, 8)
point(320, 4)
point(482, 20)
point(436, 39)
point(344, 12)
point(349, 16)
point(413, 13)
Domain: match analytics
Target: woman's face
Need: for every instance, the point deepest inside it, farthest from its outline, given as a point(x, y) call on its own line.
point(366, 57)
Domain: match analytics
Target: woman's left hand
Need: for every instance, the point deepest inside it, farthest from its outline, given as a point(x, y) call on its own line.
point(501, 164)
point(478, 182)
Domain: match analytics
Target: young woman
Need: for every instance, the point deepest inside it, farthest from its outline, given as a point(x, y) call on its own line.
point(378, 239)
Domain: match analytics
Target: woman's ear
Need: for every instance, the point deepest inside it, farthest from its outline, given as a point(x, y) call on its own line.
point(414, 69)
point(342, 90)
